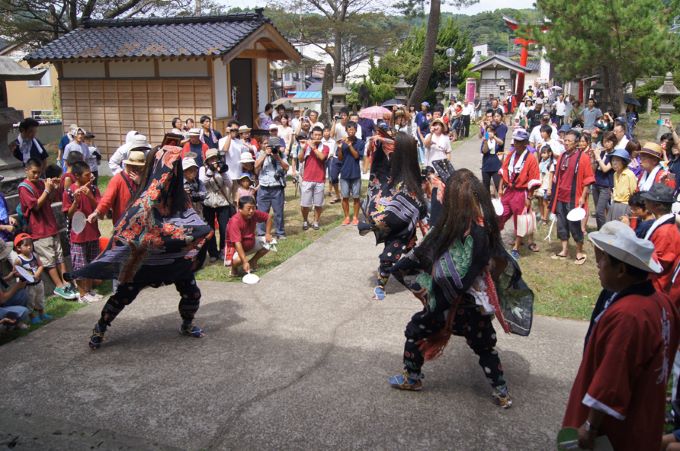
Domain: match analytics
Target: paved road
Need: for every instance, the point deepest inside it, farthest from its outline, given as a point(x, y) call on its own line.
point(299, 361)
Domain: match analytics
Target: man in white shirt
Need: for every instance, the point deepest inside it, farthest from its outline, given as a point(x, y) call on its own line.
point(231, 146)
point(535, 137)
point(468, 111)
point(620, 133)
point(332, 163)
point(560, 110)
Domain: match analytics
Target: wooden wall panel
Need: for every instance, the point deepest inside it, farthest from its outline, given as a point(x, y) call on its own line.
point(110, 108)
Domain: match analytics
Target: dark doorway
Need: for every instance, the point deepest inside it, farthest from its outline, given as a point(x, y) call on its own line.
point(242, 90)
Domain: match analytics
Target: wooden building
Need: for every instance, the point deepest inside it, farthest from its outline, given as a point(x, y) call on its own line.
point(499, 71)
point(138, 74)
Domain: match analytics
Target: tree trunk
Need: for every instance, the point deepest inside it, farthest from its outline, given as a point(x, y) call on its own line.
point(427, 63)
point(616, 90)
point(326, 85)
point(337, 55)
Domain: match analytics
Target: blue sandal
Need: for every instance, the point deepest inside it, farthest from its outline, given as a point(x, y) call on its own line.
point(191, 331)
point(378, 293)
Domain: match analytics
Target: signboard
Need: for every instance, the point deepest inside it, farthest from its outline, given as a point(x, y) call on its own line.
point(470, 89)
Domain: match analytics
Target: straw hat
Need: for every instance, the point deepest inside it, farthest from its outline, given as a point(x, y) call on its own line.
point(136, 158)
point(618, 240)
point(652, 149)
point(439, 121)
point(244, 129)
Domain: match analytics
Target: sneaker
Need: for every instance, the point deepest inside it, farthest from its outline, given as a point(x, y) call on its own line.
point(35, 320)
point(355, 221)
point(345, 221)
point(406, 381)
point(514, 254)
point(281, 237)
point(45, 317)
point(87, 298)
point(189, 330)
point(501, 397)
point(96, 338)
point(305, 225)
point(97, 297)
point(61, 292)
point(315, 226)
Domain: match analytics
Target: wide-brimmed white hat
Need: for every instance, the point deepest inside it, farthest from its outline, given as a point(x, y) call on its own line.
point(139, 142)
point(618, 240)
point(194, 132)
point(246, 157)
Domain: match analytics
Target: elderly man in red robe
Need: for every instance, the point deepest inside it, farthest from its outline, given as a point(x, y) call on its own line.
point(573, 177)
point(519, 176)
point(664, 233)
point(620, 388)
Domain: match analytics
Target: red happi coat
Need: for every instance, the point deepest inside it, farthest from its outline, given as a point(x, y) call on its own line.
point(666, 239)
point(663, 176)
point(584, 177)
point(625, 368)
point(529, 172)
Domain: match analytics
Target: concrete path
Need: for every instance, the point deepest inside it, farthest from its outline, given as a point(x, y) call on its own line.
point(299, 361)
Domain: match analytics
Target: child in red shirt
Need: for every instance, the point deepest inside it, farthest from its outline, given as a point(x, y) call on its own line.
point(241, 239)
point(83, 196)
point(36, 197)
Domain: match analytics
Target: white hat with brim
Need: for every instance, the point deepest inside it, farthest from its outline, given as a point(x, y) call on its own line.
point(194, 132)
point(246, 157)
point(188, 162)
point(139, 142)
point(274, 127)
point(619, 241)
point(211, 153)
point(135, 158)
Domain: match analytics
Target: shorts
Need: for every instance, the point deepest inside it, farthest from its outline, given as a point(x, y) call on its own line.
point(311, 194)
point(49, 251)
point(566, 227)
point(231, 250)
point(83, 253)
point(350, 188)
point(334, 166)
point(35, 296)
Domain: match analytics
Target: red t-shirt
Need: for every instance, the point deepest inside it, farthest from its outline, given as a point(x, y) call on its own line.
point(91, 231)
point(117, 195)
point(567, 177)
point(242, 230)
point(41, 222)
point(315, 169)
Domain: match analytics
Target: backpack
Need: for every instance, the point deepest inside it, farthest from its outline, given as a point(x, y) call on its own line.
point(22, 217)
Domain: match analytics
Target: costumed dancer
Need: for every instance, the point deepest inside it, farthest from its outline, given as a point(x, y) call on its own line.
point(156, 242)
point(459, 272)
point(520, 176)
point(395, 204)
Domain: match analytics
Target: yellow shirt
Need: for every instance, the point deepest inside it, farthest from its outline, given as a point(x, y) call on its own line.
point(625, 184)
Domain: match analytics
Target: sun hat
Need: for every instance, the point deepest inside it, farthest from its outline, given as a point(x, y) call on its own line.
point(136, 158)
point(621, 153)
point(194, 132)
point(274, 127)
point(5, 250)
point(619, 241)
point(20, 237)
point(247, 175)
point(210, 153)
point(427, 104)
point(188, 163)
point(519, 134)
point(246, 157)
point(564, 129)
point(439, 121)
point(244, 129)
point(139, 142)
point(652, 149)
point(660, 193)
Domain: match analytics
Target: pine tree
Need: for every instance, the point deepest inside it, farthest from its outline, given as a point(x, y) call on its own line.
point(620, 40)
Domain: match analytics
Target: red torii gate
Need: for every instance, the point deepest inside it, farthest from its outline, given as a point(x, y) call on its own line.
point(524, 54)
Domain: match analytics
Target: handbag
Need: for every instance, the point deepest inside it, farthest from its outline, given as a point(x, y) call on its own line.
point(526, 223)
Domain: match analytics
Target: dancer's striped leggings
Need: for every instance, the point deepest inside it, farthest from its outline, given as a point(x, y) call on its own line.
point(190, 297)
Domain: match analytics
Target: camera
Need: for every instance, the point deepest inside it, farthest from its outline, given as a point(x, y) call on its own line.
point(336, 117)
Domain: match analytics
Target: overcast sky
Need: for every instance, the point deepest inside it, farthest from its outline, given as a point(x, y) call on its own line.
point(482, 5)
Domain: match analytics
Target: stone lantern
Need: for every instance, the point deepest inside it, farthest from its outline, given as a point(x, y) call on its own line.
point(338, 96)
point(667, 93)
point(401, 90)
point(439, 93)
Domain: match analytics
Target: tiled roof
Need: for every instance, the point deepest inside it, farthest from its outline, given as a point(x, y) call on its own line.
point(152, 37)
